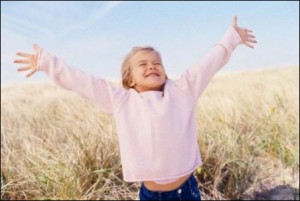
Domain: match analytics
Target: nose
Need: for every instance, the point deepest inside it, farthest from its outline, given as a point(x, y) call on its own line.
point(151, 67)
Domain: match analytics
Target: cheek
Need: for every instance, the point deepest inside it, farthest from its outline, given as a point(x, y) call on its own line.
point(164, 72)
point(135, 75)
point(140, 72)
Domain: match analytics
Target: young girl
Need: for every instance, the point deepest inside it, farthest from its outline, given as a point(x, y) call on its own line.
point(155, 116)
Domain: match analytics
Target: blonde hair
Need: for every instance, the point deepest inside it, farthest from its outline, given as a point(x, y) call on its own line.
point(125, 70)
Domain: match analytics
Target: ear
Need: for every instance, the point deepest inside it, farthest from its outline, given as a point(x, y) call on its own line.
point(132, 84)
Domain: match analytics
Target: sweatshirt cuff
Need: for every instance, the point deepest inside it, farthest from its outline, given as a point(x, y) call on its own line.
point(41, 65)
point(230, 40)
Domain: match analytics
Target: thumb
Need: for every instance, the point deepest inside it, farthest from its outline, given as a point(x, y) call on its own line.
point(36, 47)
point(234, 21)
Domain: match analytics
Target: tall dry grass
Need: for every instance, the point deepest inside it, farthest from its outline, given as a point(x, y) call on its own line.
point(56, 145)
point(249, 132)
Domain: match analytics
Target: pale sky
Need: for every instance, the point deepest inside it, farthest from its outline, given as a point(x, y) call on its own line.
point(95, 36)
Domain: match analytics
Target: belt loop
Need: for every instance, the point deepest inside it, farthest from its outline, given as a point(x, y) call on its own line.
point(190, 180)
point(159, 195)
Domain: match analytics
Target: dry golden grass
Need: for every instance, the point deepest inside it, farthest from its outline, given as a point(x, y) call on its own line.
point(56, 145)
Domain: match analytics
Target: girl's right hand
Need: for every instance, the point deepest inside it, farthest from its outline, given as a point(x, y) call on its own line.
point(31, 61)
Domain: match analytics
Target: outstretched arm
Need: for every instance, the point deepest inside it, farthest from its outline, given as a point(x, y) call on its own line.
point(198, 76)
point(100, 91)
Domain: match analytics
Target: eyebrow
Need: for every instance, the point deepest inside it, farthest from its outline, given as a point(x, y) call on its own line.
point(142, 61)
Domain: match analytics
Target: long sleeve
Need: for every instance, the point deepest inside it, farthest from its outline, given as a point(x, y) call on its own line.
point(198, 76)
point(101, 92)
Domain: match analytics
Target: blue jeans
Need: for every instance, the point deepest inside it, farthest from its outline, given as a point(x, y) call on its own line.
point(187, 191)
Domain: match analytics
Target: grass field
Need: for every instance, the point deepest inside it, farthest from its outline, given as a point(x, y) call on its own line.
point(56, 145)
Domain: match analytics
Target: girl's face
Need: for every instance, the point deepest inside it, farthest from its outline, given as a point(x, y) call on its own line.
point(147, 71)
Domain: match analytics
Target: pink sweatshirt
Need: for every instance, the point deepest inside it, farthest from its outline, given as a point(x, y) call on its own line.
point(157, 130)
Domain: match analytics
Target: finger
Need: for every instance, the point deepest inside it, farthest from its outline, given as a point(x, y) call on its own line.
point(36, 47)
point(24, 68)
point(251, 41)
point(234, 21)
point(250, 36)
point(29, 74)
point(23, 61)
point(249, 45)
point(22, 54)
point(248, 30)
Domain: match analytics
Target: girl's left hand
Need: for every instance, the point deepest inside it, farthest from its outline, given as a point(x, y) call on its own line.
point(245, 34)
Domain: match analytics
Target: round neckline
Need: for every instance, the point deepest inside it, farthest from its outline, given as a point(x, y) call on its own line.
point(157, 94)
point(151, 91)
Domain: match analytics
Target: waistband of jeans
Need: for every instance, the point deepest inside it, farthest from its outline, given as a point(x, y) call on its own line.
point(187, 182)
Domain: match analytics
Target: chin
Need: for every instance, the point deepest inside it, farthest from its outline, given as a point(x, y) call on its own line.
point(158, 87)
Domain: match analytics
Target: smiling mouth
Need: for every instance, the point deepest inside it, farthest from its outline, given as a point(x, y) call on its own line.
point(152, 75)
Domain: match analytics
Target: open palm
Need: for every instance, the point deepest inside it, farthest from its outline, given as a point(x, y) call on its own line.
point(246, 35)
point(30, 60)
